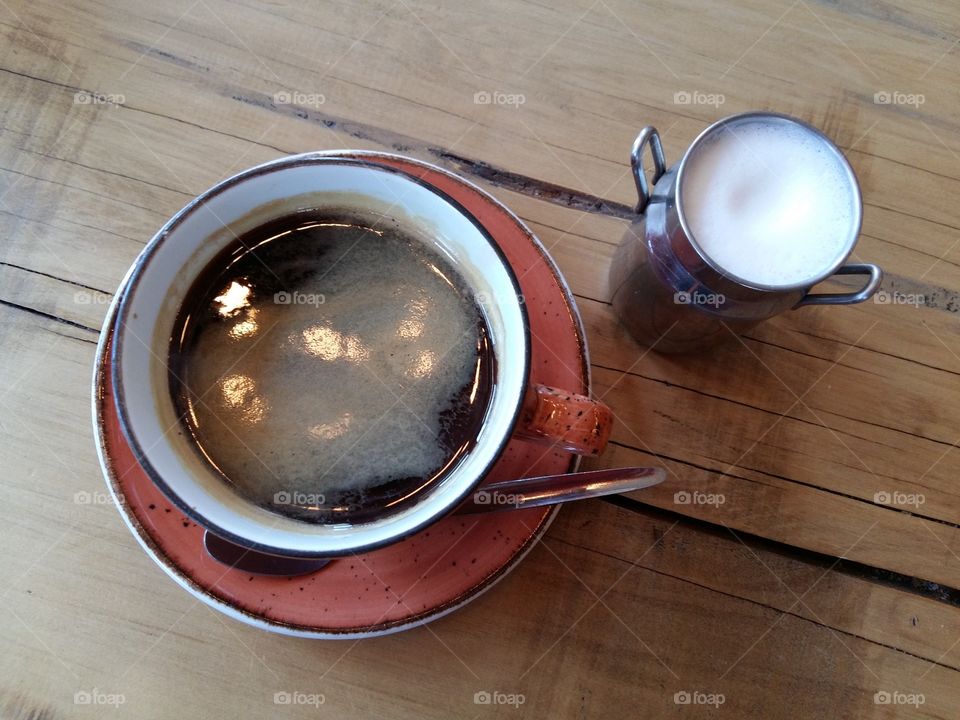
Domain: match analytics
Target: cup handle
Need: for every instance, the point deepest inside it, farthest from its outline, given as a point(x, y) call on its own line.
point(865, 293)
point(648, 136)
point(572, 422)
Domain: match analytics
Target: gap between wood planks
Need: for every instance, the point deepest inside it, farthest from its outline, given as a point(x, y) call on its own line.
point(934, 297)
point(844, 566)
point(852, 568)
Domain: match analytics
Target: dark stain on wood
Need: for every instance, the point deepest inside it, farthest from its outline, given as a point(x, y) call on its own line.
point(48, 316)
point(169, 57)
point(540, 189)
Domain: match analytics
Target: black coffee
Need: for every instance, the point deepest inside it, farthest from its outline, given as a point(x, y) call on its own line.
point(329, 366)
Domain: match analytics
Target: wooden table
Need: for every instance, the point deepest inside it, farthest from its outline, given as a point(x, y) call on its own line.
point(801, 595)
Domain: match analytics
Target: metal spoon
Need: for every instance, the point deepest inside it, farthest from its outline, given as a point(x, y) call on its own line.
point(553, 489)
point(494, 497)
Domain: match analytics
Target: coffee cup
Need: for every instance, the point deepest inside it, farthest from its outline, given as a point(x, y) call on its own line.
point(209, 237)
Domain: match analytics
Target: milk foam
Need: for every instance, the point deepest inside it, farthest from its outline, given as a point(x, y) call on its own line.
point(768, 202)
point(342, 386)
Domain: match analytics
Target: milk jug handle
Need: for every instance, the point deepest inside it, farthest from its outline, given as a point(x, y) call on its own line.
point(865, 293)
point(648, 136)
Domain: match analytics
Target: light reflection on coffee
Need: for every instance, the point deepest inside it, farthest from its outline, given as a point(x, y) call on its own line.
point(329, 366)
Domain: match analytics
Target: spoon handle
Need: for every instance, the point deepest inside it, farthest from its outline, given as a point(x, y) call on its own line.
point(509, 495)
point(552, 489)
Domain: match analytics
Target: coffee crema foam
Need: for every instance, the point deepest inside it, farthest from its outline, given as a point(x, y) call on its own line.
point(768, 202)
point(337, 365)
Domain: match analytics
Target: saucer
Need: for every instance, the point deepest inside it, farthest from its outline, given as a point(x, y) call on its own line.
point(408, 583)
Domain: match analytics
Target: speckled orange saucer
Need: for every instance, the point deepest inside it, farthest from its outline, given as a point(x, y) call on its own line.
point(408, 583)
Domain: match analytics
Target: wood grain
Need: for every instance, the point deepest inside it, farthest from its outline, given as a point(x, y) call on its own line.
point(801, 594)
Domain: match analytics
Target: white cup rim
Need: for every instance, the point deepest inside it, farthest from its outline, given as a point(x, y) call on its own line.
point(324, 545)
